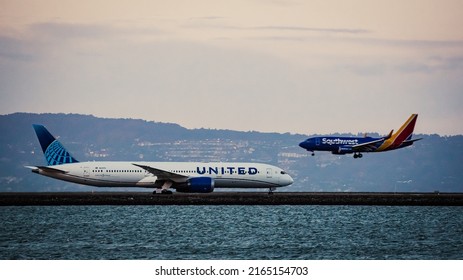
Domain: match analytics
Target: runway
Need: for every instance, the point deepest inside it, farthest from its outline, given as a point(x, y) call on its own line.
point(231, 198)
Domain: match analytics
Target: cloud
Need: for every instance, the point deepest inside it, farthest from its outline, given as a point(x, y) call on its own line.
point(428, 66)
point(359, 40)
point(71, 30)
point(100, 32)
point(207, 18)
point(284, 28)
point(408, 43)
point(312, 29)
point(13, 49)
point(333, 79)
point(40, 39)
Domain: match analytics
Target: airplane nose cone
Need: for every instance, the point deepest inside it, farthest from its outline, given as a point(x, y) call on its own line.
point(304, 144)
point(287, 180)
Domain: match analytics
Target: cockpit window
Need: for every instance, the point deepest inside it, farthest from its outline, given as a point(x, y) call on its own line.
point(282, 172)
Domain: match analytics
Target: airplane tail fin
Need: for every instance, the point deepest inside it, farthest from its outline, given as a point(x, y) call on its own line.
point(53, 151)
point(401, 138)
point(405, 132)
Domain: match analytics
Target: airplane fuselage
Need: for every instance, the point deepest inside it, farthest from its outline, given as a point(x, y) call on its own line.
point(358, 145)
point(130, 174)
point(338, 145)
point(346, 145)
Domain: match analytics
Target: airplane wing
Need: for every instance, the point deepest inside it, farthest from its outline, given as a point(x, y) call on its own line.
point(370, 146)
point(162, 174)
point(47, 169)
point(367, 147)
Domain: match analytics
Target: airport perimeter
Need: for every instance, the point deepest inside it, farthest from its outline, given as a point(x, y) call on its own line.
point(232, 198)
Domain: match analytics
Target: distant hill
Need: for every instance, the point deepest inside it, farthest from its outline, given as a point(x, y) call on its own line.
point(432, 164)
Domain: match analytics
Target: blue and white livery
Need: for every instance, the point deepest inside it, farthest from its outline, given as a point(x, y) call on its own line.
point(194, 177)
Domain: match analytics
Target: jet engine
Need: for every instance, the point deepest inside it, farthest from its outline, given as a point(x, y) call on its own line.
point(197, 185)
point(342, 150)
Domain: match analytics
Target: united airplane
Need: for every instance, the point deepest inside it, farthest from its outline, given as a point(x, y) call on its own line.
point(194, 177)
point(358, 145)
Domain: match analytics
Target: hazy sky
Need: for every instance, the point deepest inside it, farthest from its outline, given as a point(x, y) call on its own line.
point(274, 66)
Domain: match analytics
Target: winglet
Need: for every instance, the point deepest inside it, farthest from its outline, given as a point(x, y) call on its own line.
point(53, 151)
point(389, 135)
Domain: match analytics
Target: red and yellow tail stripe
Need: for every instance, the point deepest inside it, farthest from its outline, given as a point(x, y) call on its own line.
point(400, 136)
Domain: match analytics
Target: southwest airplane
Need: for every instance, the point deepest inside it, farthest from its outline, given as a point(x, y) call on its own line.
point(193, 177)
point(358, 145)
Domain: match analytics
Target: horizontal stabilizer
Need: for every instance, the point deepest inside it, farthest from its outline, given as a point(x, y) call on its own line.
point(31, 167)
point(411, 141)
point(46, 169)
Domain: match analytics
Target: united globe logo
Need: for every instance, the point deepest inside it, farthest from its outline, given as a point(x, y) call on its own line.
point(56, 154)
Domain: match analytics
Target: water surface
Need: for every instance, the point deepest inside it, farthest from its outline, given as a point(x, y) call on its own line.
point(231, 232)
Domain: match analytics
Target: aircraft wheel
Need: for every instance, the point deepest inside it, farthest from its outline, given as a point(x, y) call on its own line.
point(166, 192)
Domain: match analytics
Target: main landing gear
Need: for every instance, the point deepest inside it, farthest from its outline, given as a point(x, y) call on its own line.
point(161, 191)
point(165, 189)
point(358, 155)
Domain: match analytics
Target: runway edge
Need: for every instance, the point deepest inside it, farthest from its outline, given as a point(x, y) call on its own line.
point(231, 198)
